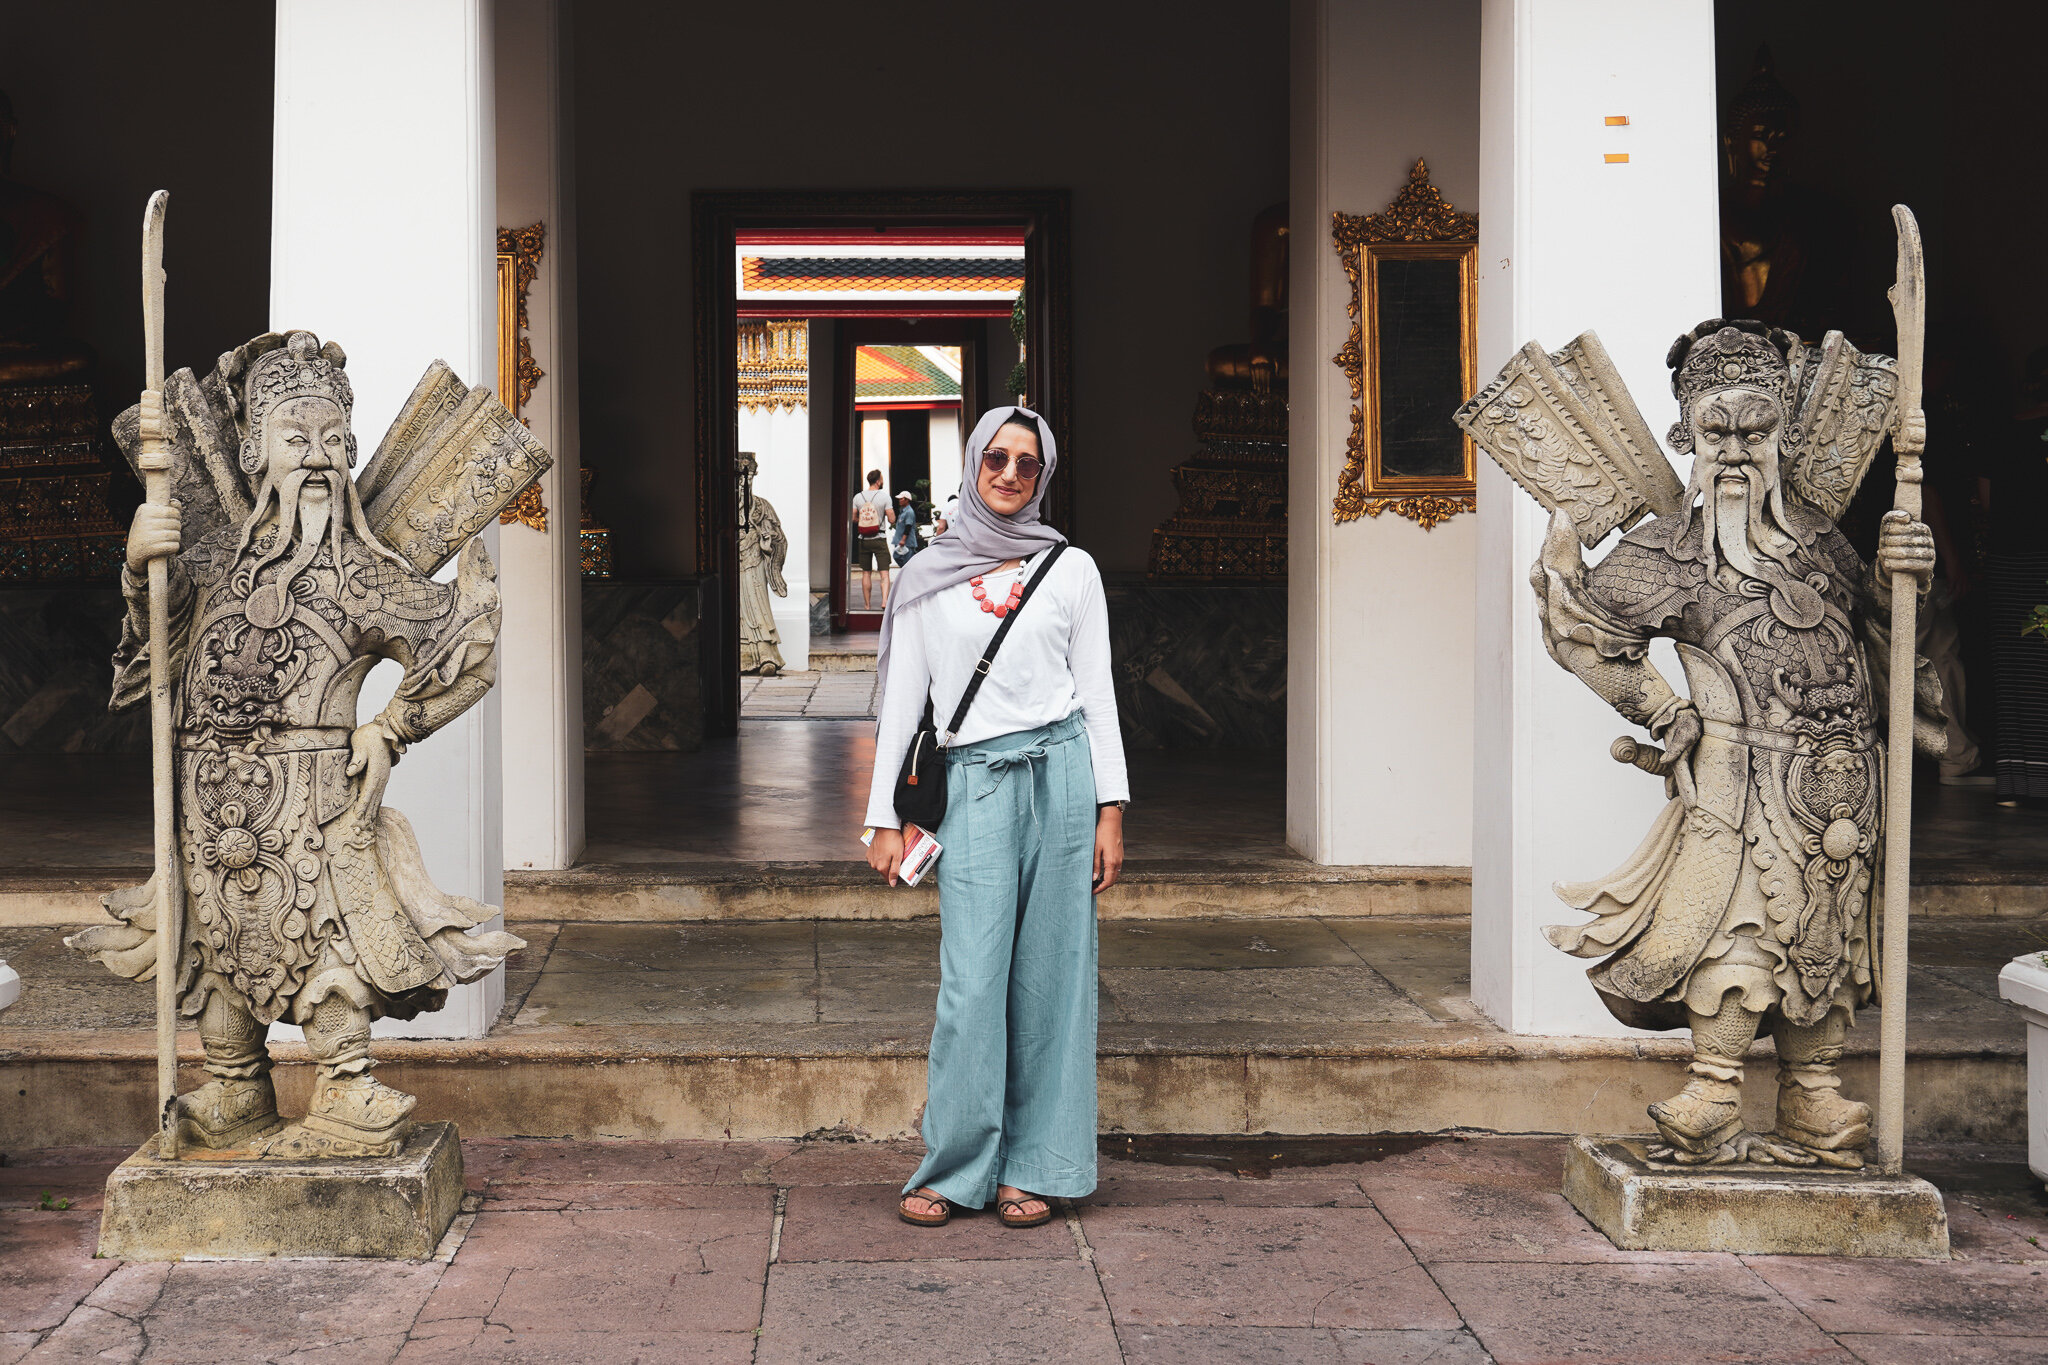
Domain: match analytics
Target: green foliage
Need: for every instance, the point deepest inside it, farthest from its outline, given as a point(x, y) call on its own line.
point(53, 1205)
point(1018, 378)
point(2037, 624)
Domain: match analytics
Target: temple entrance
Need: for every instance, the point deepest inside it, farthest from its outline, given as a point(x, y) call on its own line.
point(852, 332)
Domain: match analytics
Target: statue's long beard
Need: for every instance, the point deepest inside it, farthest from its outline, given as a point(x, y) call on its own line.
point(1741, 520)
point(301, 528)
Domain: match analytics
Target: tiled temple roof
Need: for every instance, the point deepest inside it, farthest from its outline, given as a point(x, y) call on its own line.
point(887, 274)
point(886, 372)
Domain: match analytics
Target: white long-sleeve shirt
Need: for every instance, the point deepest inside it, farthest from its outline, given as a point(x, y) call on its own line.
point(1054, 662)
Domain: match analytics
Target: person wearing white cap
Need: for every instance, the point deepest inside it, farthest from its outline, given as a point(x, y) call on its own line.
point(903, 537)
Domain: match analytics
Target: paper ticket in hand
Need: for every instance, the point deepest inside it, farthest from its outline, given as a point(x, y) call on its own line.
point(918, 857)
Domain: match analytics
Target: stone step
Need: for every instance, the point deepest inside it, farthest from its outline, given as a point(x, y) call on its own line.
point(1261, 889)
point(776, 1028)
point(80, 1087)
point(1151, 889)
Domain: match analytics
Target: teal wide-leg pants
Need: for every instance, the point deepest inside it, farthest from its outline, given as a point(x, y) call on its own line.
point(1012, 1075)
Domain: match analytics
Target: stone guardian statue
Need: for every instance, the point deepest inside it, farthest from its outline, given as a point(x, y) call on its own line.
point(1747, 907)
point(764, 548)
point(304, 898)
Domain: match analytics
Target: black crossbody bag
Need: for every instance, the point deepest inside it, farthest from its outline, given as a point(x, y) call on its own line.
point(921, 785)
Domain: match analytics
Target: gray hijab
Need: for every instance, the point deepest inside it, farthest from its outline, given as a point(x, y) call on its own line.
point(978, 540)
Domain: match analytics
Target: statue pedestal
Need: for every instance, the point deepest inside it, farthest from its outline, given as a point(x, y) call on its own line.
point(231, 1206)
point(1754, 1210)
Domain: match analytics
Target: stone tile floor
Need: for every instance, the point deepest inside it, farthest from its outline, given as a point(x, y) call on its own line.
point(810, 696)
point(1448, 1249)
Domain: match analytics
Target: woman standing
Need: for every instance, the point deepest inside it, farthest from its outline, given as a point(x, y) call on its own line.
point(1033, 829)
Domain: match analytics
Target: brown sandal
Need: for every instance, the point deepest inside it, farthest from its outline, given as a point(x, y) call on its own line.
point(925, 1220)
point(1009, 1211)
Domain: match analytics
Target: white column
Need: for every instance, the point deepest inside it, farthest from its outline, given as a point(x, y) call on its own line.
point(384, 239)
point(945, 439)
point(540, 652)
point(1379, 637)
point(1571, 240)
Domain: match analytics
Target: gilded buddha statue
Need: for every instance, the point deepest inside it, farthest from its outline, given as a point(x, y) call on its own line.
point(1763, 251)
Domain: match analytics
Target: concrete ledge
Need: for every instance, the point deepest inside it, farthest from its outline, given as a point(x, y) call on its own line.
point(1750, 1210)
point(1275, 889)
point(230, 1206)
point(743, 1081)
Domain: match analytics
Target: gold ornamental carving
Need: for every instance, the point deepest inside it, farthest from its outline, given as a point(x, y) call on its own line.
point(519, 253)
point(1419, 225)
point(774, 366)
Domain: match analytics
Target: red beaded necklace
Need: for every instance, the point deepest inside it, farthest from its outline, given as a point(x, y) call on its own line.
point(1000, 609)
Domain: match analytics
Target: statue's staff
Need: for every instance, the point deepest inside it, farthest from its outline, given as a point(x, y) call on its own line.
point(1909, 309)
point(155, 463)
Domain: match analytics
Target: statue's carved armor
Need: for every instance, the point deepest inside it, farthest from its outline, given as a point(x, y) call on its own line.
point(286, 897)
point(1760, 888)
point(304, 898)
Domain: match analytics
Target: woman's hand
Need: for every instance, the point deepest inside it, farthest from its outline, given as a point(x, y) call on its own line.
point(885, 850)
point(1109, 847)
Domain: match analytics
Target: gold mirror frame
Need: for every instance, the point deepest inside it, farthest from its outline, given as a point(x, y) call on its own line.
point(519, 251)
point(1418, 225)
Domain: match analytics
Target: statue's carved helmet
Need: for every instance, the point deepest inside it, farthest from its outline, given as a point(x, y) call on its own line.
point(300, 368)
point(1723, 354)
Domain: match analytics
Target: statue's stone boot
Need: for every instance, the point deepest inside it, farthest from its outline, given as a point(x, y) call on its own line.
point(225, 1114)
point(1702, 1121)
point(239, 1105)
point(361, 1109)
point(1811, 1111)
point(352, 1113)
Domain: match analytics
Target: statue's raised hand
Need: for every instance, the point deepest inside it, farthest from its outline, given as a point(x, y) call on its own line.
point(154, 534)
point(1905, 546)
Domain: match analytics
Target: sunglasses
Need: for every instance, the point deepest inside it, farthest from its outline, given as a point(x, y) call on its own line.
point(996, 461)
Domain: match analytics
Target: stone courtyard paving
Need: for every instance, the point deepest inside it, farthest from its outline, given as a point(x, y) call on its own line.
point(1392, 1251)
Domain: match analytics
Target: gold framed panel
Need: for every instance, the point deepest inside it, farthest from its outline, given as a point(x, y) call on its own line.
point(1418, 225)
point(519, 252)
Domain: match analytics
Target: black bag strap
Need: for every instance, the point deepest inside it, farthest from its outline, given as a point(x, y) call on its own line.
point(988, 655)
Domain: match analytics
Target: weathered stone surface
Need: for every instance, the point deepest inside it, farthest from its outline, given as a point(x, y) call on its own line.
point(1296, 1346)
point(1261, 1267)
point(1749, 1209)
point(45, 1268)
point(935, 1313)
point(859, 1223)
point(1642, 1314)
point(231, 1206)
point(1906, 1297)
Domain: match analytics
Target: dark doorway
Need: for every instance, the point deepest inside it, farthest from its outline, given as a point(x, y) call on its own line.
point(717, 220)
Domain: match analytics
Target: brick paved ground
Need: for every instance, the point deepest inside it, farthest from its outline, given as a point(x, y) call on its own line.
point(1441, 1250)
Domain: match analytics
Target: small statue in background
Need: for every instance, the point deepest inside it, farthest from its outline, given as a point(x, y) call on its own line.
point(304, 898)
point(1260, 363)
point(1763, 246)
point(763, 550)
point(1748, 906)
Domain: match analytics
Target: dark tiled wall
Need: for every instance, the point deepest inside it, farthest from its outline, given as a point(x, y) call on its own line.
point(640, 669)
point(1199, 667)
point(56, 671)
point(1196, 666)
